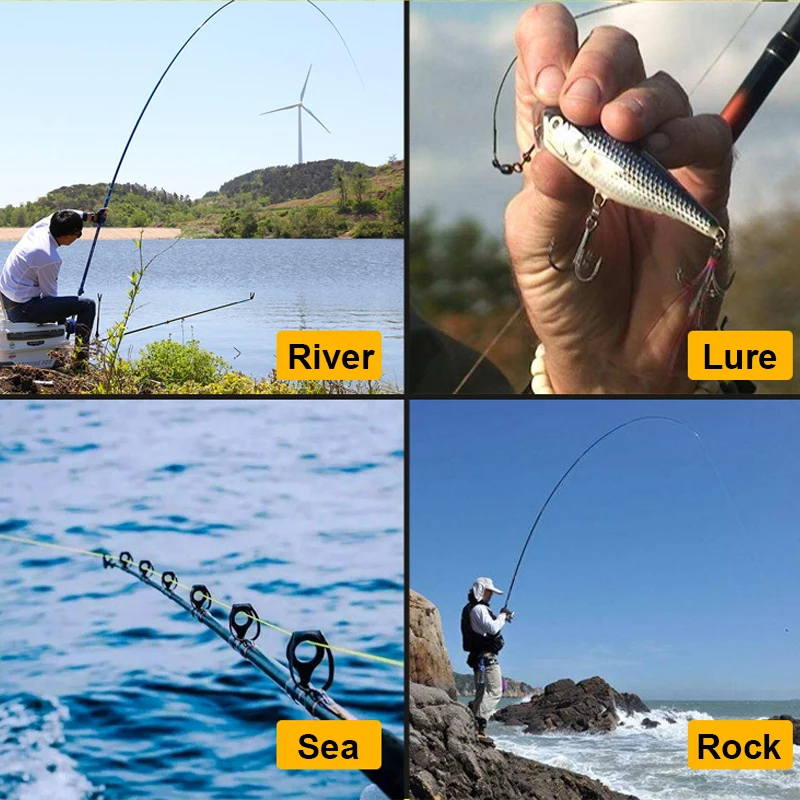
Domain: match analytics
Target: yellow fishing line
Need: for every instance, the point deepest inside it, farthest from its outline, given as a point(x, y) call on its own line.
point(64, 548)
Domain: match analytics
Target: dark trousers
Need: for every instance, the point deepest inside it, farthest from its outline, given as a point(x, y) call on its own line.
point(55, 309)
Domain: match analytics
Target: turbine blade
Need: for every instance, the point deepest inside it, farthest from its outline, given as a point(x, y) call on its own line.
point(302, 94)
point(293, 105)
point(308, 111)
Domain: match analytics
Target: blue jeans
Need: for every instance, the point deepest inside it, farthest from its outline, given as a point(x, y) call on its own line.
point(55, 309)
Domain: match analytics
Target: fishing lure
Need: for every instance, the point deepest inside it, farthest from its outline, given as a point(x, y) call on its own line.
point(627, 174)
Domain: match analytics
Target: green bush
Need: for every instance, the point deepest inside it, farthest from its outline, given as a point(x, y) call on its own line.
point(168, 362)
point(369, 229)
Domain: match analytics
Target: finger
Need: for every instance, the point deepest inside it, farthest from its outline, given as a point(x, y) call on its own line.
point(608, 63)
point(547, 41)
point(557, 182)
point(704, 142)
point(637, 112)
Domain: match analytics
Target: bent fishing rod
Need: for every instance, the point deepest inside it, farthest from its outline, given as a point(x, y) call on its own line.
point(597, 441)
point(155, 89)
point(130, 139)
point(244, 627)
point(186, 316)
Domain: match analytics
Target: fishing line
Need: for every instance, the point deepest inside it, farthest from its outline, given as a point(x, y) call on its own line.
point(130, 139)
point(294, 679)
point(508, 169)
point(182, 317)
point(343, 42)
point(646, 418)
point(155, 88)
point(95, 554)
point(775, 60)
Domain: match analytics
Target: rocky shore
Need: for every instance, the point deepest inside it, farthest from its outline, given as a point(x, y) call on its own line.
point(447, 762)
point(589, 705)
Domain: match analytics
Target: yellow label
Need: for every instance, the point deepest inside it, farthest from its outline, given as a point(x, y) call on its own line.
point(332, 355)
point(721, 355)
point(740, 744)
point(322, 744)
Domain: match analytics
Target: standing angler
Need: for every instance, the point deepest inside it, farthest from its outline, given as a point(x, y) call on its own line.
point(481, 638)
point(29, 280)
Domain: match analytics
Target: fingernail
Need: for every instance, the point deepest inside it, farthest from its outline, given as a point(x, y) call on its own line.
point(549, 83)
point(634, 106)
point(584, 89)
point(657, 142)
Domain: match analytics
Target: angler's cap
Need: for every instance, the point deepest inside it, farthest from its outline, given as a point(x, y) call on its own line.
point(481, 585)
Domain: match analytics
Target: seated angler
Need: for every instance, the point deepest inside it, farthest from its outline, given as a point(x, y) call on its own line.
point(29, 279)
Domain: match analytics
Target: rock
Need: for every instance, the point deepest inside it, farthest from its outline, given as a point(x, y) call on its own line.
point(447, 762)
point(589, 705)
point(429, 663)
point(649, 723)
point(670, 720)
point(465, 684)
point(795, 724)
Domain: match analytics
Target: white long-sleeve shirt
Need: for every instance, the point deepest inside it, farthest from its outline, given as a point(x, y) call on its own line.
point(32, 267)
point(481, 620)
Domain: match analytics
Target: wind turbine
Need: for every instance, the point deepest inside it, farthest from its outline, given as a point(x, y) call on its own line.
point(300, 109)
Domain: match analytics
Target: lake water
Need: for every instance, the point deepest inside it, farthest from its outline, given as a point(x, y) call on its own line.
point(109, 691)
point(299, 284)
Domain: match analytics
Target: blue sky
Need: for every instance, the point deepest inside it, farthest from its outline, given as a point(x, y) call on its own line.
point(641, 569)
point(460, 50)
point(77, 74)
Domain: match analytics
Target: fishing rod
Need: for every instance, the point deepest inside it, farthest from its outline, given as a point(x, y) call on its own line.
point(130, 139)
point(737, 113)
point(186, 316)
point(777, 57)
point(646, 418)
point(244, 627)
point(155, 88)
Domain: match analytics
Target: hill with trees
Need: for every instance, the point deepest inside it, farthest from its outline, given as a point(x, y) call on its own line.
point(320, 199)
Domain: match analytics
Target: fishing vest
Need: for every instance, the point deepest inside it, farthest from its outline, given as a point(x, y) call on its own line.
point(476, 643)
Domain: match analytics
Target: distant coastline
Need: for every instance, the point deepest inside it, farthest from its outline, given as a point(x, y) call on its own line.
point(14, 234)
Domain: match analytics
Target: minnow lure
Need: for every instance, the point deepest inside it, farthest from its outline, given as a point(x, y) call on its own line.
point(628, 175)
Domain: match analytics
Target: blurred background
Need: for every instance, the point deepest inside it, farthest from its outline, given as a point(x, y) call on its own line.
point(459, 272)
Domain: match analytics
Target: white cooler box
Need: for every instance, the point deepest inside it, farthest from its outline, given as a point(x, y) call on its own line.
point(27, 342)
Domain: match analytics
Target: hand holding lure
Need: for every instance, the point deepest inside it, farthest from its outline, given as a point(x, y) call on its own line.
point(623, 316)
point(626, 174)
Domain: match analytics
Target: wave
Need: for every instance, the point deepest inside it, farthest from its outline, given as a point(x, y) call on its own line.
point(32, 764)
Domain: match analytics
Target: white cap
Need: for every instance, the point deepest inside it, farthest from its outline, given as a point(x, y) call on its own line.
point(481, 585)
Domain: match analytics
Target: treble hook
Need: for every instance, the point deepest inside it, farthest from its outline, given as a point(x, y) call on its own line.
point(715, 288)
point(581, 261)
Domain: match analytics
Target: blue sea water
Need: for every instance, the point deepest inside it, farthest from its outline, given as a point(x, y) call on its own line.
point(651, 763)
point(299, 284)
point(110, 691)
